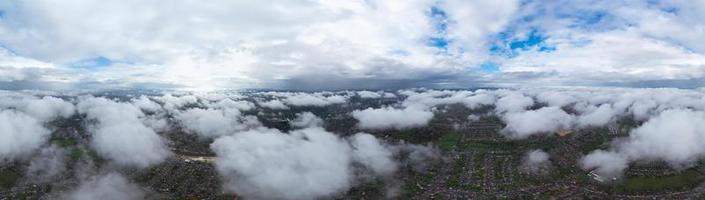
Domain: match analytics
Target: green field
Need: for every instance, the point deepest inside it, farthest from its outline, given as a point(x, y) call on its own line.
point(488, 145)
point(63, 142)
point(453, 141)
point(8, 177)
point(449, 141)
point(644, 184)
point(411, 188)
point(457, 172)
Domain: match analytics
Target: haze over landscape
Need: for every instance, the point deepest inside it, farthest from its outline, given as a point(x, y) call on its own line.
point(352, 99)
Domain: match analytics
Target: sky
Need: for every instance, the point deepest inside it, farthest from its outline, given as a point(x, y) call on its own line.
point(350, 44)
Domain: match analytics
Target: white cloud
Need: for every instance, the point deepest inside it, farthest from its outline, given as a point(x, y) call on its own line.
point(513, 103)
point(599, 116)
point(20, 134)
point(110, 186)
point(472, 22)
point(173, 103)
point(372, 153)
point(473, 118)
point(675, 136)
point(214, 122)
point(273, 104)
point(228, 103)
point(593, 42)
point(313, 99)
point(611, 57)
point(555, 98)
point(202, 46)
point(46, 165)
point(19, 68)
point(48, 108)
point(23, 121)
point(268, 164)
point(605, 163)
point(45, 109)
point(120, 135)
point(306, 119)
point(146, 104)
point(215, 47)
point(306, 163)
point(542, 121)
point(479, 99)
point(536, 162)
point(419, 157)
point(351, 43)
point(589, 107)
point(389, 95)
point(368, 95)
point(9, 59)
point(388, 117)
point(427, 99)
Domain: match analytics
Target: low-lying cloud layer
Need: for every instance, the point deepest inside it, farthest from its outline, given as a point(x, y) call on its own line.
point(544, 120)
point(670, 131)
point(306, 119)
point(308, 162)
point(109, 186)
point(269, 164)
point(214, 122)
point(388, 117)
point(47, 165)
point(303, 164)
point(19, 134)
point(675, 136)
point(22, 122)
point(120, 135)
point(315, 99)
point(536, 162)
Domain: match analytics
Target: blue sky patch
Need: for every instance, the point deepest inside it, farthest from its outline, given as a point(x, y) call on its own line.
point(532, 40)
point(508, 45)
point(671, 10)
point(580, 43)
point(489, 67)
point(594, 20)
point(92, 63)
point(439, 18)
point(440, 43)
point(591, 18)
point(13, 52)
point(658, 4)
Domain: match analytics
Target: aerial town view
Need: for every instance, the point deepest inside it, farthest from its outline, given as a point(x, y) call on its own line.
point(352, 99)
